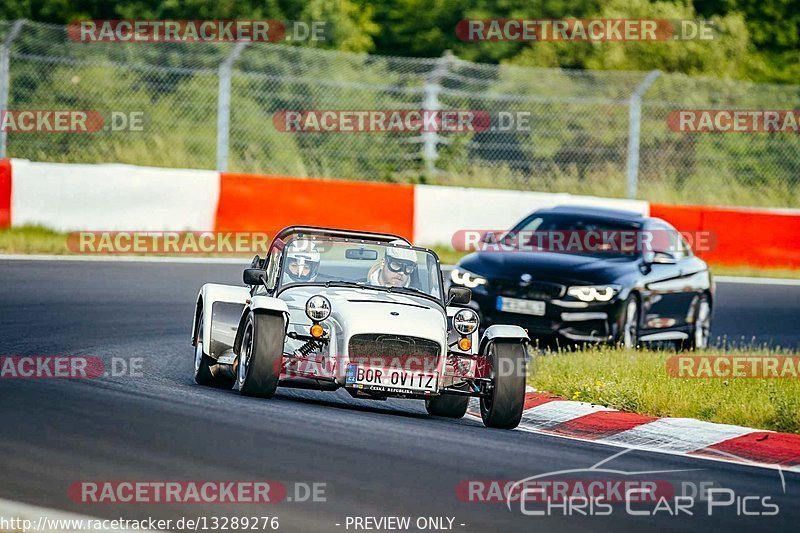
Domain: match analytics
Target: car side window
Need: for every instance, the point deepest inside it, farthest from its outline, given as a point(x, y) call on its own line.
point(666, 239)
point(685, 248)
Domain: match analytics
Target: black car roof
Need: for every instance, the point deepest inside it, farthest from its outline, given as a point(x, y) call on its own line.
point(600, 212)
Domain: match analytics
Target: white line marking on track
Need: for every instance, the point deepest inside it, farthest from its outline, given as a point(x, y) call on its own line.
point(757, 281)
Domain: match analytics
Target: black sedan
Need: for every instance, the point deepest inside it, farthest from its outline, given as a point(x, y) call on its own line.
point(591, 275)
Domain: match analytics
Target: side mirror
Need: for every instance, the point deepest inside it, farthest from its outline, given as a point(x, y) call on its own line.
point(252, 276)
point(664, 258)
point(459, 296)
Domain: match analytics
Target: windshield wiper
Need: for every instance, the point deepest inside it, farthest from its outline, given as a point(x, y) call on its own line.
point(356, 284)
point(419, 292)
point(413, 289)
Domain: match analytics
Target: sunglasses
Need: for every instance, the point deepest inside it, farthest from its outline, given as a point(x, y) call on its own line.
point(405, 268)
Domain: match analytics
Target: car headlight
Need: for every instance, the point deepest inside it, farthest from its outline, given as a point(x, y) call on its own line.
point(467, 279)
point(593, 293)
point(466, 321)
point(318, 308)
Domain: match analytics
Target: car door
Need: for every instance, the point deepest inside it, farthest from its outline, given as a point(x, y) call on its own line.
point(669, 285)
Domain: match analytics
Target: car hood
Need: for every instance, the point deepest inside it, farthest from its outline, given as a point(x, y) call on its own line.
point(563, 268)
point(355, 311)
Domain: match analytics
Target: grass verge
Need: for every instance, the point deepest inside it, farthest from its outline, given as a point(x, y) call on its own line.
point(637, 381)
point(40, 240)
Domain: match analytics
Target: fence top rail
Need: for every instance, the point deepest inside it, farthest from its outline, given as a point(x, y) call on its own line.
point(48, 40)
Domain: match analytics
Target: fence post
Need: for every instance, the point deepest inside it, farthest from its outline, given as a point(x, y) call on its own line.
point(224, 105)
point(430, 102)
point(5, 80)
point(634, 129)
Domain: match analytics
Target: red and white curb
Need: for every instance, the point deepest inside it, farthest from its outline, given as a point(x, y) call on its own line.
point(549, 414)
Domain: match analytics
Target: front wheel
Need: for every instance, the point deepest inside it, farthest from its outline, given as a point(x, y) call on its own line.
point(628, 336)
point(261, 355)
point(502, 407)
point(447, 405)
point(701, 329)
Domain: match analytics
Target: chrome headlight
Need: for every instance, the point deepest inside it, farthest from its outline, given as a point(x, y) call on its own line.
point(318, 308)
point(466, 321)
point(463, 277)
point(593, 293)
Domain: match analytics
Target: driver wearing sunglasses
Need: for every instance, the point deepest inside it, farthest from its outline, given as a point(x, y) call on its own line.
point(396, 267)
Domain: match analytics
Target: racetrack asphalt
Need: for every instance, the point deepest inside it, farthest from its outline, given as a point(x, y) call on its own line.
point(376, 458)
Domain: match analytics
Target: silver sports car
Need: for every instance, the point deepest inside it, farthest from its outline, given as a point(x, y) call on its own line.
point(329, 309)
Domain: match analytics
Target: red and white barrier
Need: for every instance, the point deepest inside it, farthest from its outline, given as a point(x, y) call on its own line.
point(764, 237)
point(70, 197)
point(439, 212)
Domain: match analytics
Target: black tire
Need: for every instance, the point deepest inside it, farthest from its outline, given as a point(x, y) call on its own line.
point(203, 363)
point(261, 355)
point(447, 405)
point(503, 408)
point(629, 322)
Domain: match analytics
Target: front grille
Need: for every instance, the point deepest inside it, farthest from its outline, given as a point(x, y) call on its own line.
point(535, 290)
point(409, 353)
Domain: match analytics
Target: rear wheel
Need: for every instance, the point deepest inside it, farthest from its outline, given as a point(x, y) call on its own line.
point(447, 405)
point(203, 363)
point(261, 355)
point(502, 408)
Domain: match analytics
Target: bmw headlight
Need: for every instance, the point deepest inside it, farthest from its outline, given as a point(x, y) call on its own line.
point(593, 293)
point(318, 308)
point(466, 321)
point(463, 277)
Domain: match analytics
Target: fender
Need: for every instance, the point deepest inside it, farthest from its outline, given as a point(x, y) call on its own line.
point(210, 294)
point(502, 331)
point(261, 303)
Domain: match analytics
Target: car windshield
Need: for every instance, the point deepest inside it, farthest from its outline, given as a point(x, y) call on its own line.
point(336, 261)
point(573, 234)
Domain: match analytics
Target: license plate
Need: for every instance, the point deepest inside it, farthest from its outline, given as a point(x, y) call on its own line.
point(388, 379)
point(522, 307)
